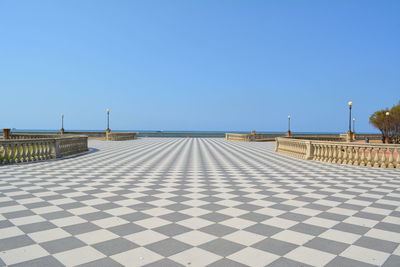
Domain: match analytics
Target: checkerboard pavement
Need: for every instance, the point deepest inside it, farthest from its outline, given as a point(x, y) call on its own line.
point(197, 202)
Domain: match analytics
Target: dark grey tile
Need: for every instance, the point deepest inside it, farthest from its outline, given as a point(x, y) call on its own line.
point(172, 229)
point(218, 230)
point(215, 217)
point(392, 261)
point(36, 227)
point(47, 261)
point(95, 216)
point(262, 229)
point(308, 229)
point(164, 263)
point(222, 247)
point(168, 247)
point(376, 244)
point(63, 244)
point(226, 263)
point(351, 228)
point(327, 245)
point(15, 242)
point(104, 262)
point(81, 228)
point(284, 262)
point(346, 262)
point(135, 216)
point(175, 217)
point(114, 246)
point(275, 246)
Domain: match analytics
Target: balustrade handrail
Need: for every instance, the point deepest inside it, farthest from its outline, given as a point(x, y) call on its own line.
point(359, 154)
point(35, 149)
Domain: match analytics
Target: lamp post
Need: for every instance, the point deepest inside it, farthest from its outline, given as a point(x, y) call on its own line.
point(387, 125)
point(108, 121)
point(350, 134)
point(62, 124)
point(350, 104)
point(354, 125)
point(289, 133)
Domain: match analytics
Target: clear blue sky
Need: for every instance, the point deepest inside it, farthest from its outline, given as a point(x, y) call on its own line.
point(197, 65)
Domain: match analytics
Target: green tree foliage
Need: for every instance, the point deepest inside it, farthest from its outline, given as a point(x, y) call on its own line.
point(388, 122)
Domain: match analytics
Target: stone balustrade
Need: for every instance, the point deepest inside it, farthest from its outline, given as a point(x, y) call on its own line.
point(115, 136)
point(252, 137)
point(20, 149)
point(358, 154)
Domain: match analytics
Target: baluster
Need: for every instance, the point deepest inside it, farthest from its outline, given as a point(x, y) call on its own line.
point(390, 161)
point(334, 153)
point(330, 154)
point(369, 157)
point(340, 155)
point(397, 163)
point(344, 161)
point(350, 156)
point(320, 152)
point(356, 161)
point(383, 158)
point(376, 158)
point(362, 159)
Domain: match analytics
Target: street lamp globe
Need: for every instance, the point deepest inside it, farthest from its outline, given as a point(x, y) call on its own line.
point(350, 103)
point(289, 117)
point(108, 110)
point(387, 113)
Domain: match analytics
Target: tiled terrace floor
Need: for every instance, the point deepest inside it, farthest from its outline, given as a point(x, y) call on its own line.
point(197, 202)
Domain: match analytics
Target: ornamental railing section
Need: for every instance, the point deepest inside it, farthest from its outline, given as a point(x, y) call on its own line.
point(357, 154)
point(27, 149)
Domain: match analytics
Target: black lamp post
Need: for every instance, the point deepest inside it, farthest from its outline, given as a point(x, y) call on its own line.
point(350, 104)
point(289, 132)
point(108, 120)
point(62, 123)
point(387, 126)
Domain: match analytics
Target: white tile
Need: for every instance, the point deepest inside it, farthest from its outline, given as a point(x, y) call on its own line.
point(48, 209)
point(78, 256)
point(157, 211)
point(139, 256)
point(195, 238)
point(361, 221)
point(195, 223)
point(152, 222)
point(253, 257)
point(293, 237)
point(27, 220)
point(340, 236)
point(321, 222)
point(195, 257)
point(279, 222)
point(67, 221)
point(110, 222)
point(10, 232)
point(83, 210)
point(22, 254)
point(384, 235)
point(145, 237)
point(96, 236)
point(48, 235)
point(365, 255)
point(310, 256)
point(244, 237)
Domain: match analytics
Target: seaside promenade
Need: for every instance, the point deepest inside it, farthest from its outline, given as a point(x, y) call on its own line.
point(197, 202)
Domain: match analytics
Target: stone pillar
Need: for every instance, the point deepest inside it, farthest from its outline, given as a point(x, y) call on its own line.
point(350, 136)
point(6, 133)
point(108, 131)
point(289, 133)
